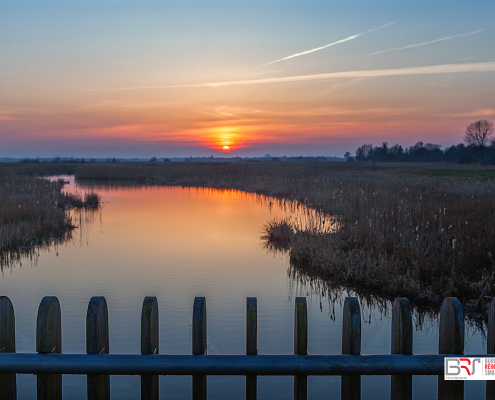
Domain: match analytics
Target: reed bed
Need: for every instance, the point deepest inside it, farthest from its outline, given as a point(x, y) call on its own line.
point(420, 231)
point(34, 212)
point(419, 238)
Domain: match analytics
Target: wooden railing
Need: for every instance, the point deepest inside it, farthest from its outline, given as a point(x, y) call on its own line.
point(49, 363)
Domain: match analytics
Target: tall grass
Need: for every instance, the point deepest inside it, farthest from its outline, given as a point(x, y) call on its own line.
point(34, 212)
point(413, 238)
point(31, 211)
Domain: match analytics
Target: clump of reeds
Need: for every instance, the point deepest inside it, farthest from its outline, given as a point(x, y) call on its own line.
point(88, 200)
point(92, 199)
point(278, 234)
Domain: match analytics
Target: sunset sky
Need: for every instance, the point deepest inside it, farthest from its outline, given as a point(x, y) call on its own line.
point(182, 78)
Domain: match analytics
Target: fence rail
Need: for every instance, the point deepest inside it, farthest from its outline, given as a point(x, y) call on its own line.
point(49, 363)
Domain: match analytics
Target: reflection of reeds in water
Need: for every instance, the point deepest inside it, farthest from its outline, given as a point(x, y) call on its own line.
point(82, 220)
point(302, 218)
point(306, 283)
point(338, 283)
point(10, 259)
point(299, 216)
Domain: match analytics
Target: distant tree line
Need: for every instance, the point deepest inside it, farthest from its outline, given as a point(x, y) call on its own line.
point(66, 160)
point(57, 159)
point(478, 149)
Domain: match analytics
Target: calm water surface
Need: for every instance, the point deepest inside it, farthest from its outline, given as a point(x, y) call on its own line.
point(177, 243)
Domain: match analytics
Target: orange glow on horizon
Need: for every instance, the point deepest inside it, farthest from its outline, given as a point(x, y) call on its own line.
point(284, 128)
point(226, 136)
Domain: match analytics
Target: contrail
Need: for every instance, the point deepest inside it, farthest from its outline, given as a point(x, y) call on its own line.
point(328, 45)
point(426, 43)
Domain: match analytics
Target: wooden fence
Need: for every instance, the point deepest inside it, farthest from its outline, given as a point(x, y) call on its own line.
point(49, 363)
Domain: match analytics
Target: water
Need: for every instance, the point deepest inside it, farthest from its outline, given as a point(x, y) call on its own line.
point(178, 243)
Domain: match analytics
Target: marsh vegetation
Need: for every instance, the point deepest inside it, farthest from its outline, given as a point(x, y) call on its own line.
point(418, 239)
point(35, 212)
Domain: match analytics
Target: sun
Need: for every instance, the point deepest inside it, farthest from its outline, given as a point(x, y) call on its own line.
point(226, 148)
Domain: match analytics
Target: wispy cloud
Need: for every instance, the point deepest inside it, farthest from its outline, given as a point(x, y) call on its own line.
point(479, 112)
point(328, 45)
point(221, 110)
point(433, 69)
point(6, 113)
point(410, 46)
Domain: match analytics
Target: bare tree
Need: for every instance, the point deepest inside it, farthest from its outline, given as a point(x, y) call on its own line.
point(477, 134)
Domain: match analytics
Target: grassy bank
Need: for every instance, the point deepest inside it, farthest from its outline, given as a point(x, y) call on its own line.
point(33, 212)
point(424, 231)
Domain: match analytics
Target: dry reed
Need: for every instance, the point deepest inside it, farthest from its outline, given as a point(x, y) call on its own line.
point(33, 212)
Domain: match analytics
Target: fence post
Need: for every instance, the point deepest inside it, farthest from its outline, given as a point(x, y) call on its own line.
point(49, 340)
point(351, 344)
point(490, 348)
point(199, 344)
point(149, 345)
point(402, 343)
point(451, 341)
point(301, 345)
point(251, 344)
point(7, 345)
point(97, 342)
